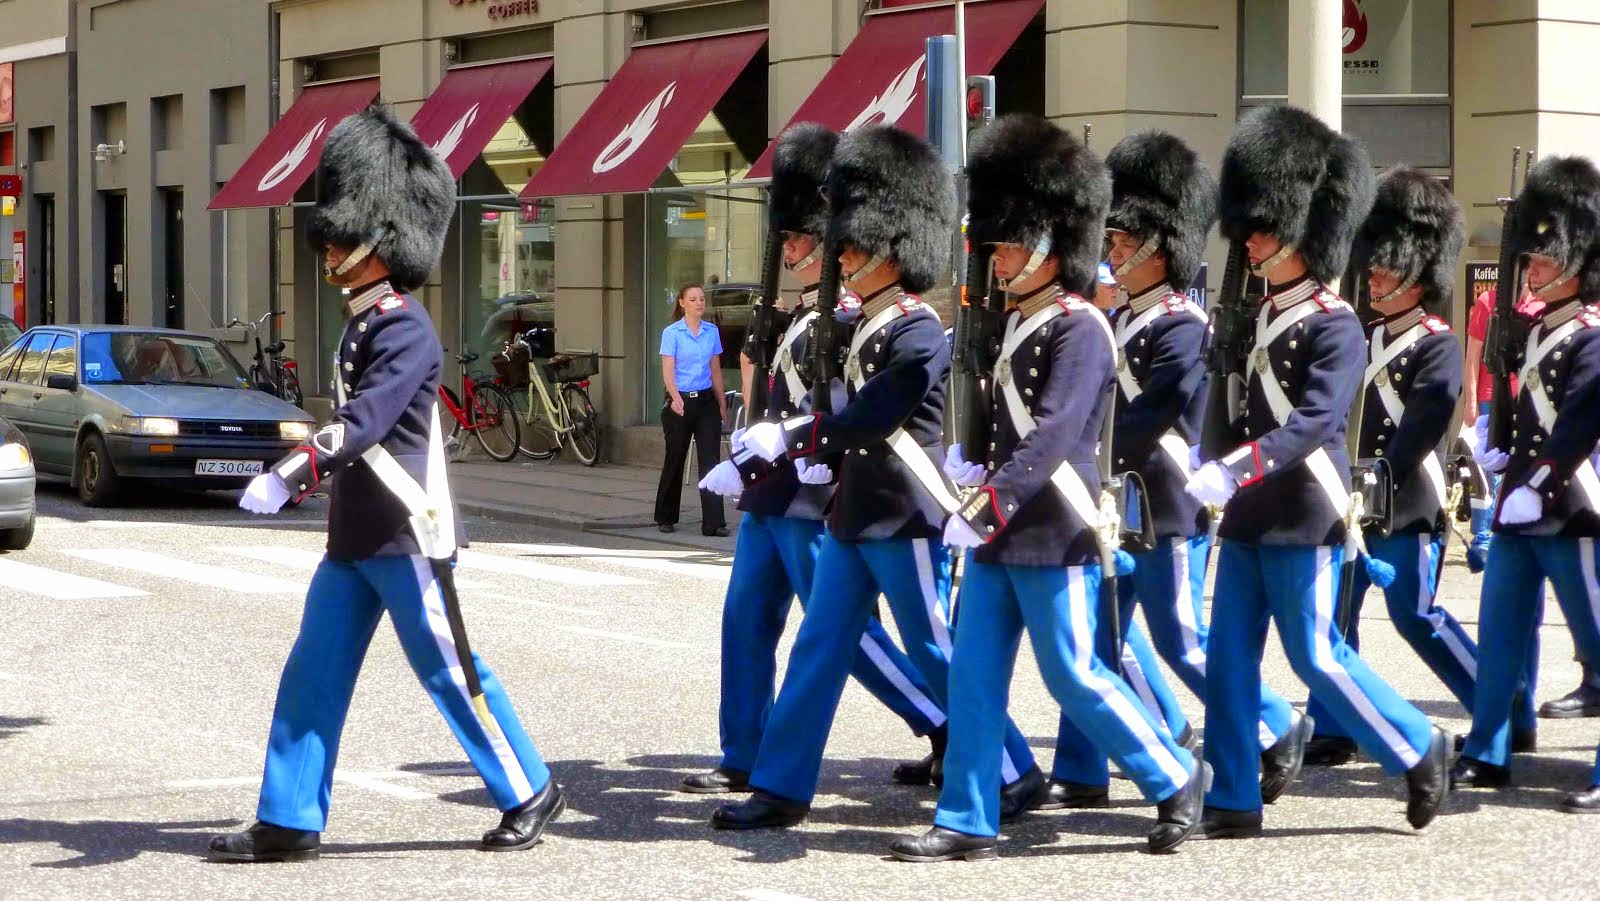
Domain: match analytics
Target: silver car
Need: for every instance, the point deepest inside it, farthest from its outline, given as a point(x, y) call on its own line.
point(104, 405)
point(16, 489)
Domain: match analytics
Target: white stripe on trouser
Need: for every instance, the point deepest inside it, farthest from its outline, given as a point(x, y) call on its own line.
point(1082, 662)
point(439, 625)
point(1322, 659)
point(1435, 617)
point(939, 624)
point(898, 679)
point(1591, 586)
point(1183, 597)
point(1141, 686)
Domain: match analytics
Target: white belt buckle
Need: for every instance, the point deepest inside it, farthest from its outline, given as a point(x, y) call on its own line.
point(1263, 361)
point(1002, 372)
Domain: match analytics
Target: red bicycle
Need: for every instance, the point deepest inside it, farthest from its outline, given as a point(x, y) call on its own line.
point(486, 411)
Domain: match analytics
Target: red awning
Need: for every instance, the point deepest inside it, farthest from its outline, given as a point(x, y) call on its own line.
point(465, 111)
point(288, 155)
point(644, 115)
point(879, 77)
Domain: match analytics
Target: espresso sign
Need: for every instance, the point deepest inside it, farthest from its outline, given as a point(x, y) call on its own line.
point(502, 9)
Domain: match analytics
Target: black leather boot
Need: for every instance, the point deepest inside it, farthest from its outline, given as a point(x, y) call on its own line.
point(521, 826)
point(1178, 816)
point(1218, 823)
point(264, 842)
point(1428, 783)
point(1470, 772)
point(1523, 741)
point(1016, 798)
point(930, 769)
point(1330, 750)
point(764, 810)
point(1281, 763)
point(1581, 701)
point(719, 781)
point(939, 844)
point(1586, 801)
point(1062, 795)
point(1188, 739)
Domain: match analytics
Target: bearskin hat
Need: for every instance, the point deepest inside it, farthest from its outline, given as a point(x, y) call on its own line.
point(889, 193)
point(377, 182)
point(1416, 229)
point(1028, 179)
point(1287, 174)
point(1161, 189)
point(799, 167)
point(1558, 215)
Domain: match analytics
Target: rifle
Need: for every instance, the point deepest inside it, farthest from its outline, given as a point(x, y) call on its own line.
point(763, 323)
point(1232, 334)
point(980, 322)
point(827, 337)
point(1508, 332)
point(1371, 484)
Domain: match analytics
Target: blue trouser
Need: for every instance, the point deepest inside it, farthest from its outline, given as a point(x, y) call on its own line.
point(1431, 631)
point(1483, 508)
point(1296, 586)
point(343, 607)
point(1512, 597)
point(773, 561)
point(914, 575)
point(1057, 607)
point(1077, 759)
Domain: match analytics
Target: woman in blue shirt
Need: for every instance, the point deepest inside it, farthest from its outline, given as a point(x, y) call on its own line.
point(691, 369)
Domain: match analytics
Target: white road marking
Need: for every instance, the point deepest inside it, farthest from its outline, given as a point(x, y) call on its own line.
point(61, 586)
point(669, 562)
point(537, 571)
point(7, 677)
point(163, 566)
point(767, 894)
point(300, 558)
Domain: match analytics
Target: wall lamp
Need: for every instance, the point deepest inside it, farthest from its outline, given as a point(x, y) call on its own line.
point(103, 152)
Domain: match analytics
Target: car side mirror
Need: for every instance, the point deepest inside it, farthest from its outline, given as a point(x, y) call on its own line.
point(62, 382)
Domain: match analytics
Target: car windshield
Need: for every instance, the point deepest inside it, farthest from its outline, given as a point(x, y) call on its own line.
point(158, 358)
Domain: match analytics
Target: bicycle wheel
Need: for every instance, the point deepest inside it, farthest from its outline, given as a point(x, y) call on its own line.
point(585, 434)
point(494, 421)
point(539, 438)
point(289, 386)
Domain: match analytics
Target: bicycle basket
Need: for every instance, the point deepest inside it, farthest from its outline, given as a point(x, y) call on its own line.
point(572, 366)
point(511, 365)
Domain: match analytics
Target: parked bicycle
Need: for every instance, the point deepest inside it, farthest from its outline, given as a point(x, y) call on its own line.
point(551, 396)
point(269, 371)
point(484, 409)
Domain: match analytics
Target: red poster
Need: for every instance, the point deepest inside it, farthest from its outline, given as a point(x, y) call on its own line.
point(6, 94)
point(19, 265)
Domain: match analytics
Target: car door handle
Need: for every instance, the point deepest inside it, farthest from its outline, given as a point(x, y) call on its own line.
point(38, 394)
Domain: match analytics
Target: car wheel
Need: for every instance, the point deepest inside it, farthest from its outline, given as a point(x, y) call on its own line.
point(17, 539)
point(98, 485)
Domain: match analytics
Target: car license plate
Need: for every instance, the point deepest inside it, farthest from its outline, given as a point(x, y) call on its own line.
point(227, 467)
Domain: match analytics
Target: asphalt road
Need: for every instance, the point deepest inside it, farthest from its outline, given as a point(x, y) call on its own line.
point(141, 649)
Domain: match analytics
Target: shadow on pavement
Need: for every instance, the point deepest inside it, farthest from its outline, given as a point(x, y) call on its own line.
point(100, 842)
point(13, 725)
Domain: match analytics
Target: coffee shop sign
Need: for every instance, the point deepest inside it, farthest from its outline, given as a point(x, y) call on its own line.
point(503, 9)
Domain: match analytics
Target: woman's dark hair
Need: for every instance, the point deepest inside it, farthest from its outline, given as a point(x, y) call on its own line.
point(677, 304)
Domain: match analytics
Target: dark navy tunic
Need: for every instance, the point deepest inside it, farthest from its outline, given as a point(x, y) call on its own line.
point(1318, 364)
point(774, 489)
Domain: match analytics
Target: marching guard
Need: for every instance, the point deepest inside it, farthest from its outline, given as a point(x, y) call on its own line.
point(891, 217)
point(1408, 247)
point(784, 504)
point(1163, 202)
point(385, 203)
point(1548, 515)
point(1294, 192)
point(1039, 198)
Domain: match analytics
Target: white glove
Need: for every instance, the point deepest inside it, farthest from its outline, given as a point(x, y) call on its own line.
point(723, 479)
point(266, 493)
point(1523, 505)
point(1492, 459)
point(1480, 432)
point(967, 475)
point(736, 440)
point(765, 439)
point(1212, 483)
point(1194, 458)
point(958, 534)
point(813, 474)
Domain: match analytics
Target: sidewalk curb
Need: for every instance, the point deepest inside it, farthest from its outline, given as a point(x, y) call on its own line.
point(507, 513)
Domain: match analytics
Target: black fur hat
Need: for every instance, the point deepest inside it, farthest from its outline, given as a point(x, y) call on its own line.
point(1558, 215)
point(889, 193)
point(1416, 229)
point(378, 182)
point(799, 167)
point(1161, 189)
point(1027, 178)
point(1287, 174)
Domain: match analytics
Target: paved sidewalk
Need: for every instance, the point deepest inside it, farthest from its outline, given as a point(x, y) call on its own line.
point(613, 499)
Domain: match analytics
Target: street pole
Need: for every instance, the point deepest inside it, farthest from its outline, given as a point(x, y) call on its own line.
point(1316, 64)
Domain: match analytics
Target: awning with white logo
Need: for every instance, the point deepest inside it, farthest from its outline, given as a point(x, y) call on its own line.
point(471, 104)
point(880, 77)
point(644, 115)
point(288, 155)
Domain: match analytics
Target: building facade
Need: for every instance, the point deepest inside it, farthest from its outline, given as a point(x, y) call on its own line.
point(609, 151)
